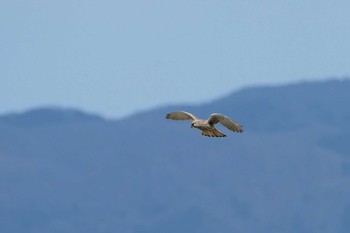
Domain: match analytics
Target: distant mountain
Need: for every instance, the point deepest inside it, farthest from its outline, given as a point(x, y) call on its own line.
point(67, 171)
point(47, 116)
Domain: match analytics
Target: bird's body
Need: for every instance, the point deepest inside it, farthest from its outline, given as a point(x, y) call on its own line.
point(208, 126)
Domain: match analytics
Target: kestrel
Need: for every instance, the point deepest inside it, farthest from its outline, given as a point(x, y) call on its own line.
point(208, 126)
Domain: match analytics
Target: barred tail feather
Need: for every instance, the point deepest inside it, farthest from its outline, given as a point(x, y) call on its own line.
point(213, 133)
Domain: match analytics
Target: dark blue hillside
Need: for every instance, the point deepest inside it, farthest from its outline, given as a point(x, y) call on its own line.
point(68, 171)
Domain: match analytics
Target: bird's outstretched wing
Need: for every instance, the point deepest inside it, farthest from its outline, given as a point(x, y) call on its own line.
point(181, 116)
point(225, 121)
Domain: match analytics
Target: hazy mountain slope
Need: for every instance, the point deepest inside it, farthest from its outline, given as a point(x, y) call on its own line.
point(289, 171)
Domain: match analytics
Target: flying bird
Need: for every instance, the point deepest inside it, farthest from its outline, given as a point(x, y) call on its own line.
point(208, 126)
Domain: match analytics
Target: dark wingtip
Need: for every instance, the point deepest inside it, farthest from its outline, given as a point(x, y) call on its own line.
point(167, 116)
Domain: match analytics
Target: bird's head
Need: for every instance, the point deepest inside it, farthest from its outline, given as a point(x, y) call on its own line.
point(192, 125)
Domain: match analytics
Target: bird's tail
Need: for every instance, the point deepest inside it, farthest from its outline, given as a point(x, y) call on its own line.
point(213, 133)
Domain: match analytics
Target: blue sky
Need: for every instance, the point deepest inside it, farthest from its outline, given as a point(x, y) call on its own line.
point(117, 57)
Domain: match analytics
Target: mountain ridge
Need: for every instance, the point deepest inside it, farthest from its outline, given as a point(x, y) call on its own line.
point(288, 172)
point(247, 90)
point(47, 116)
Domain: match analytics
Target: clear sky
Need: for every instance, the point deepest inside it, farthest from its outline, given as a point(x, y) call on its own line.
point(116, 57)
